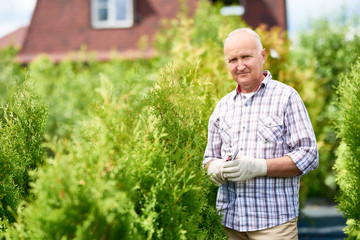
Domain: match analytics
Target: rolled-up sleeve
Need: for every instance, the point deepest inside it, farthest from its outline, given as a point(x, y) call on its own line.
point(300, 136)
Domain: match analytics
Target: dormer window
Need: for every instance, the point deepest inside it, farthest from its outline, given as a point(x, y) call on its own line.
point(231, 7)
point(112, 13)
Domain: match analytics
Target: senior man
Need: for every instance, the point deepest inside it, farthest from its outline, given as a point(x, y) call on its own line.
point(266, 122)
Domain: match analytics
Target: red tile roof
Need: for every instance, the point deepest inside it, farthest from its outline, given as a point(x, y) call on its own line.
point(15, 38)
point(60, 27)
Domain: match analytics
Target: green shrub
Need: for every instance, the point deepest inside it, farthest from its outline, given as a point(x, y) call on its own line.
point(11, 73)
point(178, 106)
point(121, 177)
point(348, 164)
point(81, 193)
point(68, 86)
point(21, 129)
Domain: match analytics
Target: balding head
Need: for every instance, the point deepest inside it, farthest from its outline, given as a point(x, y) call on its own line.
point(249, 31)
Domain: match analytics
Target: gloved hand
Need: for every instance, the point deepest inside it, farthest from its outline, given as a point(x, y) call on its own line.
point(215, 171)
point(244, 168)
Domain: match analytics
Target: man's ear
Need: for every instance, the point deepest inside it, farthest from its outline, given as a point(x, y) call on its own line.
point(263, 55)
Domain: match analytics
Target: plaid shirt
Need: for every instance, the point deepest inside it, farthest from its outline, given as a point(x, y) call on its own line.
point(272, 123)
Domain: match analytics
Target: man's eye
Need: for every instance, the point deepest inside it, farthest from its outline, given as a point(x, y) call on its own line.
point(232, 60)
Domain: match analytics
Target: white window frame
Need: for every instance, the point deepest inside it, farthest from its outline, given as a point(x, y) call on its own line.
point(112, 22)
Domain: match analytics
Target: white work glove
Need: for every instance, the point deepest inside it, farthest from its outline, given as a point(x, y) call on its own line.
point(215, 171)
point(244, 168)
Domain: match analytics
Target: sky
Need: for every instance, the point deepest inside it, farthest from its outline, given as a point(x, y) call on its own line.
point(17, 13)
point(299, 12)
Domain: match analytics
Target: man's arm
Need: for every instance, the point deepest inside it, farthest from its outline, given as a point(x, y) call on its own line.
point(244, 168)
point(282, 167)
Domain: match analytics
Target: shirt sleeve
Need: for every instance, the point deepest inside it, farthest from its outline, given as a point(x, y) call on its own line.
point(300, 136)
point(213, 148)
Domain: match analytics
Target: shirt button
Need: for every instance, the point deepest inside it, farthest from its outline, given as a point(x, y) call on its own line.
point(246, 105)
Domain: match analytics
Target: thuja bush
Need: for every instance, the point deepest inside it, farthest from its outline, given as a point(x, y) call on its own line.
point(68, 86)
point(21, 129)
point(11, 73)
point(347, 163)
point(83, 191)
point(179, 106)
point(121, 177)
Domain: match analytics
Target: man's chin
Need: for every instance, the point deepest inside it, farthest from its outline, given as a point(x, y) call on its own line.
point(242, 80)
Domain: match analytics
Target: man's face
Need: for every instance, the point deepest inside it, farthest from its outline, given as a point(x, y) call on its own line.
point(245, 60)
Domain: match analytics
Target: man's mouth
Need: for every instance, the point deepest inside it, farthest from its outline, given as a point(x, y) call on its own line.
point(242, 73)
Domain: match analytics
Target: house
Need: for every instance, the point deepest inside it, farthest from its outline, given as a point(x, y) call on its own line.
point(59, 27)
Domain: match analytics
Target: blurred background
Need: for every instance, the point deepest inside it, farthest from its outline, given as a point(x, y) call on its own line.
point(17, 13)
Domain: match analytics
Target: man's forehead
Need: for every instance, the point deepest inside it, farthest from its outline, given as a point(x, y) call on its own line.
point(240, 50)
point(242, 39)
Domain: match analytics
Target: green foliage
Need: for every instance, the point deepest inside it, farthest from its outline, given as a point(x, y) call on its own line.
point(323, 53)
point(69, 86)
point(348, 164)
point(83, 192)
point(177, 104)
point(11, 73)
point(21, 128)
point(121, 178)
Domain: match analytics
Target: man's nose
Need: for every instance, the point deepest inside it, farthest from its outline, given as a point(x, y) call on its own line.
point(240, 66)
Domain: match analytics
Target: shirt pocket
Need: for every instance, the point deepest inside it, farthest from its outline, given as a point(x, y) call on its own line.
point(225, 131)
point(270, 128)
